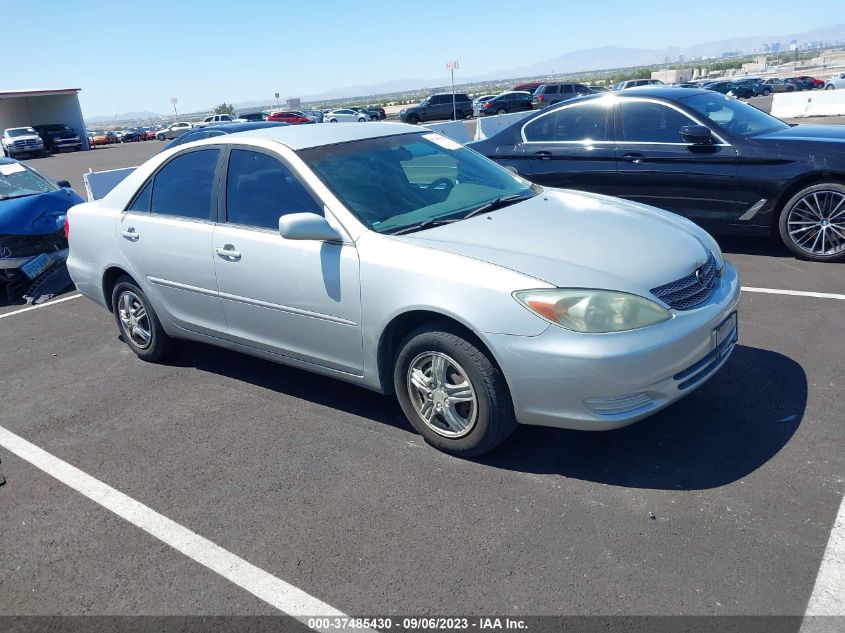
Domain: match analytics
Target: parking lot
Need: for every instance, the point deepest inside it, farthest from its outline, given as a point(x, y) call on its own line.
point(722, 504)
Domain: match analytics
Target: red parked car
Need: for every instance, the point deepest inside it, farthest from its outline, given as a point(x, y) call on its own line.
point(291, 118)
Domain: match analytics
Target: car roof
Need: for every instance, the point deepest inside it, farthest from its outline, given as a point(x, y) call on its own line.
point(299, 137)
point(657, 91)
point(232, 128)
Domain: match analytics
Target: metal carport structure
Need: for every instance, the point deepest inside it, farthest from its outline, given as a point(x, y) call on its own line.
point(19, 108)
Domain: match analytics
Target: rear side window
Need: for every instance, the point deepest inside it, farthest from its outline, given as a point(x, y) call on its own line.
point(552, 90)
point(581, 123)
point(566, 88)
point(184, 186)
point(260, 189)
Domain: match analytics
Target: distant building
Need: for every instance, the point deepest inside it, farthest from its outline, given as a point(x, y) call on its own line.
point(678, 76)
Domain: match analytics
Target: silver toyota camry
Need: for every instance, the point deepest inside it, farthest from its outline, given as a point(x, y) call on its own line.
point(394, 258)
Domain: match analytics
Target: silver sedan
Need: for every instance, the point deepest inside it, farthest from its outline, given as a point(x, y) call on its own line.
point(394, 258)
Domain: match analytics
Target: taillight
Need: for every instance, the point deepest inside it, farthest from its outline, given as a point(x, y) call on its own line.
point(488, 105)
point(67, 228)
point(540, 98)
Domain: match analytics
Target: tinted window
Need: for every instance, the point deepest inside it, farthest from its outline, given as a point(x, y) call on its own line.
point(191, 136)
point(184, 186)
point(142, 202)
point(259, 189)
point(586, 122)
point(652, 122)
point(552, 90)
point(567, 88)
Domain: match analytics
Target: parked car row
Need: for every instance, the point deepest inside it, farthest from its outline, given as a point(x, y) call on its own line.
point(39, 139)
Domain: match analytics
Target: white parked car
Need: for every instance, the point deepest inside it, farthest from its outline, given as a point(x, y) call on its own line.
point(836, 82)
point(174, 131)
point(345, 115)
point(215, 119)
point(21, 140)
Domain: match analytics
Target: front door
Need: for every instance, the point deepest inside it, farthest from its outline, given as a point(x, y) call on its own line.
point(166, 236)
point(571, 147)
point(656, 166)
point(299, 298)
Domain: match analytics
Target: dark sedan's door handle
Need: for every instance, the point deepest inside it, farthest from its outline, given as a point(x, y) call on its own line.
point(633, 157)
point(543, 155)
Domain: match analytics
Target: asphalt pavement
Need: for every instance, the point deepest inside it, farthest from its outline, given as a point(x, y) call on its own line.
point(721, 504)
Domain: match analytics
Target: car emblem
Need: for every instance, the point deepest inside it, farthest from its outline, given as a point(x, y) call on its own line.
point(699, 276)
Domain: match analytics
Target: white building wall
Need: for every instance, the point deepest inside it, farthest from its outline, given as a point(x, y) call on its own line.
point(43, 110)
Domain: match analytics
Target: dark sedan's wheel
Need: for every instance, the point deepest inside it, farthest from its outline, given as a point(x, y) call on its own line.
point(413, 119)
point(766, 92)
point(812, 223)
point(452, 393)
point(501, 111)
point(137, 322)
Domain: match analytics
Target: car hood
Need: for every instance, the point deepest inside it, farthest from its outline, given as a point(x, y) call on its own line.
point(807, 132)
point(574, 239)
point(25, 137)
point(36, 215)
point(59, 134)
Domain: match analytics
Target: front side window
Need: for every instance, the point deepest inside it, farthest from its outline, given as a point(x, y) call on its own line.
point(649, 122)
point(734, 116)
point(260, 189)
point(582, 123)
point(184, 187)
point(406, 182)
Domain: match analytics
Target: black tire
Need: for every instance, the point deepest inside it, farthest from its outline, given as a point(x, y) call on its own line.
point(413, 119)
point(766, 92)
point(494, 418)
point(160, 137)
point(829, 87)
point(160, 344)
point(501, 111)
point(783, 222)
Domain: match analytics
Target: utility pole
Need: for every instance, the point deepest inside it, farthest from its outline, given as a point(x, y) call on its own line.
point(451, 66)
point(173, 103)
point(277, 101)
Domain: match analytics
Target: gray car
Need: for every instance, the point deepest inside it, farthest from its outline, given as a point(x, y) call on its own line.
point(396, 259)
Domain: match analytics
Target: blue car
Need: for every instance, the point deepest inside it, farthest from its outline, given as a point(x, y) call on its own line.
point(33, 243)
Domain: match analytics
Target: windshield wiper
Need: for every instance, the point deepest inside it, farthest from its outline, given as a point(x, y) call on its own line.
point(498, 203)
point(425, 224)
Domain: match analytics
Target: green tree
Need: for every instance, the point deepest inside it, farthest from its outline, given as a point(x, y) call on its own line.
point(224, 108)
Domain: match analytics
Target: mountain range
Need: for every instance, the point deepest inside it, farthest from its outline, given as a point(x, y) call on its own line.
point(599, 58)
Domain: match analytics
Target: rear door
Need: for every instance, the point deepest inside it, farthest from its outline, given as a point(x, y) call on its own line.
point(656, 166)
point(299, 298)
point(166, 236)
point(571, 146)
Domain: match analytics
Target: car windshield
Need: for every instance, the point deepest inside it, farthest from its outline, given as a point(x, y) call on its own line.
point(734, 116)
point(17, 181)
point(411, 181)
point(20, 131)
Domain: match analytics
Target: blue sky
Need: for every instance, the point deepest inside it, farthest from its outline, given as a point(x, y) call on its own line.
point(130, 55)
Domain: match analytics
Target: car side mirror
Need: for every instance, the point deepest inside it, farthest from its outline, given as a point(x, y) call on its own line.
point(307, 226)
point(64, 184)
point(697, 134)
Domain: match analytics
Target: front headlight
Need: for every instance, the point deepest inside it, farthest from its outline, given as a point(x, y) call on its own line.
point(593, 311)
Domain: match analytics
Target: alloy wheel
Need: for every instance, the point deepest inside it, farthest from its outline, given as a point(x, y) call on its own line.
point(442, 394)
point(816, 223)
point(134, 320)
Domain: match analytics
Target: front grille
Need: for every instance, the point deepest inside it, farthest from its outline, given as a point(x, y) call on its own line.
point(692, 290)
point(28, 245)
point(30, 142)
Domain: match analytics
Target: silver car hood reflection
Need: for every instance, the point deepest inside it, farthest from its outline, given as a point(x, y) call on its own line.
point(561, 236)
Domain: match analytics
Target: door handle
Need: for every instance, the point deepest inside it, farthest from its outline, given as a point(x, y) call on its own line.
point(633, 157)
point(228, 252)
point(543, 155)
point(131, 234)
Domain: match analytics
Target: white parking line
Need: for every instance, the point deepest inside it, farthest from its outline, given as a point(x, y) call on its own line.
point(40, 305)
point(796, 293)
point(272, 590)
point(828, 597)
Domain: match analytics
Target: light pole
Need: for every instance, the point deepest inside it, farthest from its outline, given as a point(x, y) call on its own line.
point(451, 66)
point(277, 101)
point(173, 103)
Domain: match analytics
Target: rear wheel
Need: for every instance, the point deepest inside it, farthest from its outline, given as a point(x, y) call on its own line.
point(766, 92)
point(137, 322)
point(501, 111)
point(452, 393)
point(160, 137)
point(812, 223)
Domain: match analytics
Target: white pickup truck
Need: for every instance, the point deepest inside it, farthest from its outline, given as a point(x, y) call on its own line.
point(835, 82)
point(215, 119)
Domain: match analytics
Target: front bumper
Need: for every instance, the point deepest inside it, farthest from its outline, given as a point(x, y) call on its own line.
point(605, 381)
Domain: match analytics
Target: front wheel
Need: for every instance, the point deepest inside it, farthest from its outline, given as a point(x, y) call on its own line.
point(830, 87)
point(137, 322)
point(413, 119)
point(452, 392)
point(160, 137)
point(362, 120)
point(767, 92)
point(812, 223)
